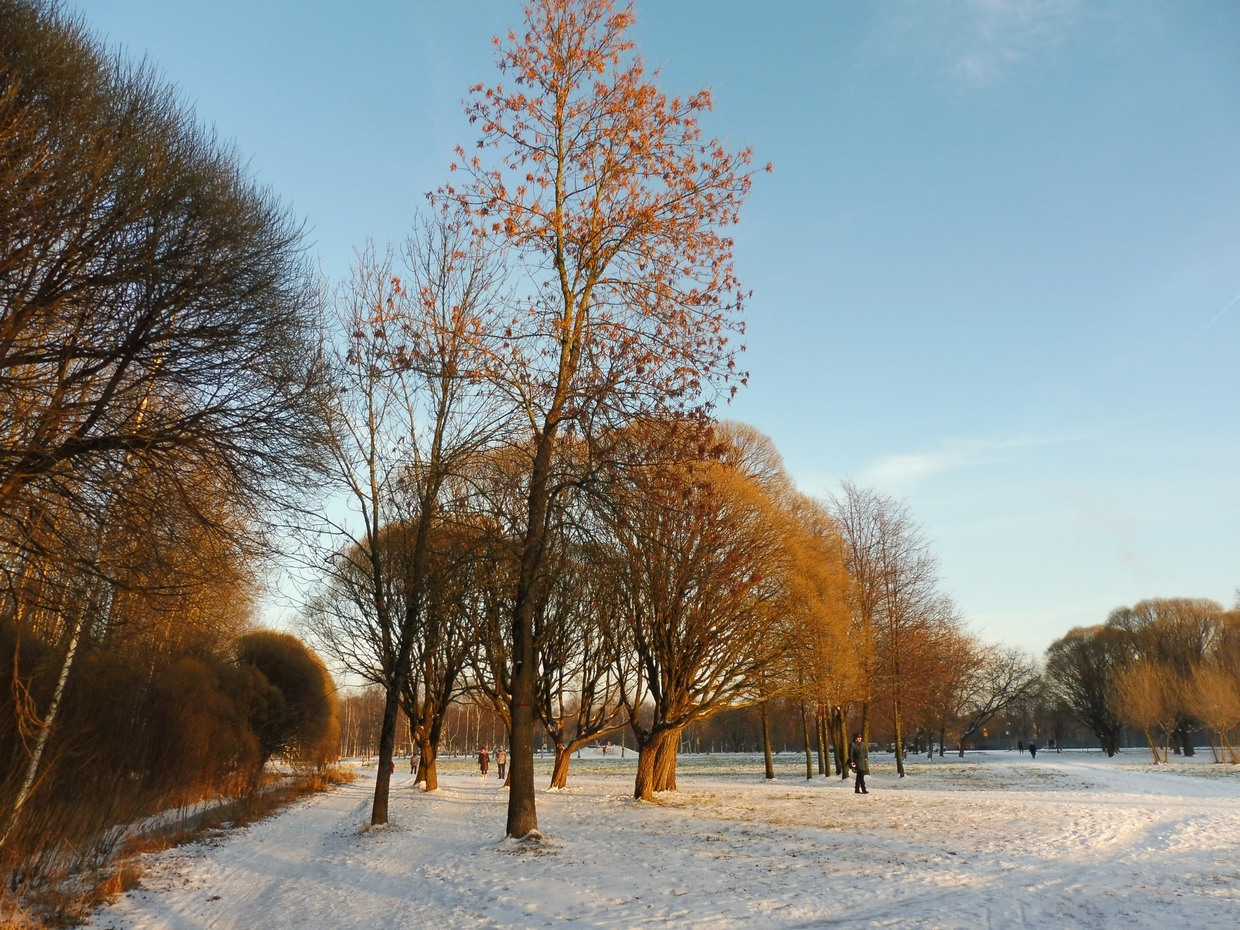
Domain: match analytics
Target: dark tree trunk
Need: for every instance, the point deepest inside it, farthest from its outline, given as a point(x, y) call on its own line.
point(766, 744)
point(824, 743)
point(839, 739)
point(387, 747)
point(899, 740)
point(522, 808)
point(809, 750)
point(1186, 740)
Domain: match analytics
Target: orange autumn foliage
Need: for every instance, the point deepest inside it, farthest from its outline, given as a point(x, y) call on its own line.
point(617, 205)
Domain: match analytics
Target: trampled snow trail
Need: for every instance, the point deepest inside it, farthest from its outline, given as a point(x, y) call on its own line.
point(316, 865)
point(1075, 840)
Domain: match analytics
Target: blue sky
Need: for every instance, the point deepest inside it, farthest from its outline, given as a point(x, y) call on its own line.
point(996, 271)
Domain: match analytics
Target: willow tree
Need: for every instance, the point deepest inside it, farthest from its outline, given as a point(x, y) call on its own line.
point(702, 562)
point(1149, 695)
point(1178, 633)
point(616, 206)
point(824, 672)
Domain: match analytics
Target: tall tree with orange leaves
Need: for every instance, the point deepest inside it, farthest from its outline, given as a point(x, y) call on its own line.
point(616, 207)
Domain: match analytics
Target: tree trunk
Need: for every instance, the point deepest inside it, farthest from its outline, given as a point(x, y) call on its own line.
point(839, 739)
point(766, 744)
point(559, 772)
point(809, 749)
point(1216, 751)
point(1186, 740)
point(45, 731)
point(665, 762)
point(899, 739)
point(387, 747)
point(824, 745)
point(822, 738)
point(522, 807)
point(647, 753)
point(1153, 743)
point(522, 810)
point(428, 767)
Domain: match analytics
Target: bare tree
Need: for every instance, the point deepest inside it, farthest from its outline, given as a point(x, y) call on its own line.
point(459, 602)
point(152, 301)
point(410, 410)
point(1081, 669)
point(155, 327)
point(986, 681)
point(896, 601)
point(823, 675)
point(1178, 633)
point(579, 678)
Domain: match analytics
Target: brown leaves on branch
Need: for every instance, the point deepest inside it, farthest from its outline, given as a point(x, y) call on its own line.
point(610, 195)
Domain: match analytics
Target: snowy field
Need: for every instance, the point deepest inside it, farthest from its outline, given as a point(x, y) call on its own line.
point(996, 840)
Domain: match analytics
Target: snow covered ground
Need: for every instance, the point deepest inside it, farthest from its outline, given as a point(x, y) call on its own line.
point(996, 840)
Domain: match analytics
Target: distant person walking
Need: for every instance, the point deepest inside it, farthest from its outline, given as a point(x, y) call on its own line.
point(1020, 746)
point(859, 762)
point(501, 760)
point(484, 760)
point(1033, 750)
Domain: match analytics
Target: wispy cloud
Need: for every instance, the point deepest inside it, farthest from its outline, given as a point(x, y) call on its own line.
point(980, 41)
point(997, 34)
point(902, 471)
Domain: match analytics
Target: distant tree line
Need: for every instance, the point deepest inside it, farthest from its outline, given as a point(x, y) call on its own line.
point(157, 349)
point(1169, 668)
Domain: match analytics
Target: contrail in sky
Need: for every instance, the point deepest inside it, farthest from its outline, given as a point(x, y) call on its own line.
point(1203, 329)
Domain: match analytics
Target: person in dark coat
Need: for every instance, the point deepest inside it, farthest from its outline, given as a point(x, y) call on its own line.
point(484, 760)
point(859, 762)
point(1033, 750)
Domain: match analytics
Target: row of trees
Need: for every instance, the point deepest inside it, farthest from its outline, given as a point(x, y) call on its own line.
point(1167, 667)
point(538, 504)
point(686, 576)
point(157, 376)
